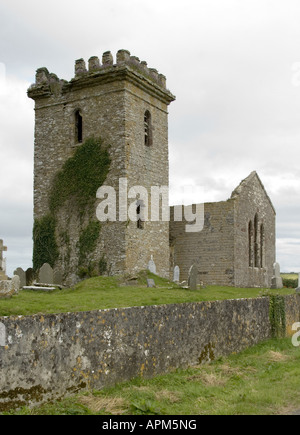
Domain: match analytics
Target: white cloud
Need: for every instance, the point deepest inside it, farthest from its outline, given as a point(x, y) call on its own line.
point(16, 174)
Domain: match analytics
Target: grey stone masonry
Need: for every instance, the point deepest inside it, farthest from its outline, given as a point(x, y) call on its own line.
point(112, 99)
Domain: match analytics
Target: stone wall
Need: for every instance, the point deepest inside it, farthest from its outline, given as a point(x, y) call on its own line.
point(211, 249)
point(47, 357)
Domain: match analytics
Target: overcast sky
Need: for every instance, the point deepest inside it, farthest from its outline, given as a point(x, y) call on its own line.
point(234, 66)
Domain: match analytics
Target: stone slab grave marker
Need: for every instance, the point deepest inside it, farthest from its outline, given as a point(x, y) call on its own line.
point(298, 288)
point(276, 278)
point(30, 276)
point(151, 283)
point(46, 274)
point(193, 275)
point(10, 287)
point(151, 266)
point(57, 277)
point(3, 248)
point(22, 275)
point(176, 274)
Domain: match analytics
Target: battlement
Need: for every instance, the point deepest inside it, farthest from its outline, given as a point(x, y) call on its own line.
point(47, 84)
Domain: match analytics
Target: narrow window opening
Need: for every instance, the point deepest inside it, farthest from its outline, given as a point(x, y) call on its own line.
point(78, 126)
point(256, 242)
point(250, 243)
point(140, 216)
point(262, 246)
point(147, 128)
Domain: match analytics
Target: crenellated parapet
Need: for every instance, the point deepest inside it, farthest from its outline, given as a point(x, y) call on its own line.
point(96, 70)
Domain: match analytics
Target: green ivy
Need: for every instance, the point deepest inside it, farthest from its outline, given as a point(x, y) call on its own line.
point(77, 182)
point(44, 248)
point(277, 315)
point(88, 241)
point(81, 176)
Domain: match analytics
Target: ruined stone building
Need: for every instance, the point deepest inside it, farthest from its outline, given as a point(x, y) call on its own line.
point(123, 107)
point(236, 246)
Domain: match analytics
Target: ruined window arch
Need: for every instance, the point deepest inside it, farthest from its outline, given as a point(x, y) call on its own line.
point(147, 128)
point(250, 243)
point(78, 126)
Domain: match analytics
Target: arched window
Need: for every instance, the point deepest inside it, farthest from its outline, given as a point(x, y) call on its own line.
point(147, 128)
point(250, 243)
point(262, 246)
point(140, 215)
point(256, 242)
point(78, 126)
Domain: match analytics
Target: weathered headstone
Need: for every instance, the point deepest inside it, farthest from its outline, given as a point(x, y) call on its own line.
point(3, 248)
point(2, 334)
point(151, 266)
point(176, 274)
point(10, 287)
point(57, 277)
point(30, 276)
point(16, 283)
point(46, 274)
point(151, 283)
point(193, 276)
point(22, 275)
point(276, 278)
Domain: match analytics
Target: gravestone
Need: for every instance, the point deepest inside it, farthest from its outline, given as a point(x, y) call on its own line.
point(46, 274)
point(193, 276)
point(3, 248)
point(151, 266)
point(298, 288)
point(2, 334)
point(57, 277)
point(30, 276)
point(22, 275)
point(15, 283)
point(151, 283)
point(176, 274)
point(10, 287)
point(276, 278)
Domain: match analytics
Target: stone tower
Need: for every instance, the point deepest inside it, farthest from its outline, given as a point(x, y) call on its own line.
point(125, 104)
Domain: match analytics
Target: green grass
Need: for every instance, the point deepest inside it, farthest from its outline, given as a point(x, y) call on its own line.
point(262, 380)
point(110, 292)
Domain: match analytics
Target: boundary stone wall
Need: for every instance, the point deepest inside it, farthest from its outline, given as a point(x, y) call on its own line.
point(46, 357)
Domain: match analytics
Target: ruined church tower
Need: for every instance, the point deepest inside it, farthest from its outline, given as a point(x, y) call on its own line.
point(125, 104)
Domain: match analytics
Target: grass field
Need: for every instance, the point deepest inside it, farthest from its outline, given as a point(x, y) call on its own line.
point(289, 275)
point(261, 380)
point(110, 292)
